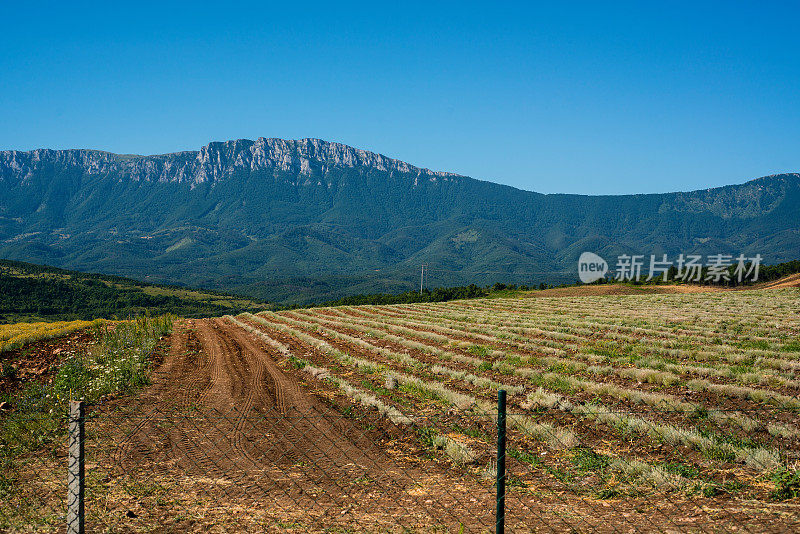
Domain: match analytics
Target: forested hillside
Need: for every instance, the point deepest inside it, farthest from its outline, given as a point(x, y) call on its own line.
point(34, 292)
point(308, 220)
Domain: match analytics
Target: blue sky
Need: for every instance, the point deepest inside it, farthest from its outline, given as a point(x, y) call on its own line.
point(584, 98)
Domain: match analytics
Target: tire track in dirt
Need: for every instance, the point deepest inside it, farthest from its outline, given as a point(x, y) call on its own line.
point(173, 368)
point(264, 362)
point(238, 388)
point(305, 433)
point(198, 384)
point(220, 391)
point(245, 391)
point(223, 406)
point(222, 413)
point(309, 434)
point(166, 414)
point(316, 437)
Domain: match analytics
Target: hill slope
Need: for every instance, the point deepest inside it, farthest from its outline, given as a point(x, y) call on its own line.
point(295, 220)
point(36, 292)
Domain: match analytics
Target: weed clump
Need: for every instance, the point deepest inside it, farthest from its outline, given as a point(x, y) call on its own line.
point(787, 485)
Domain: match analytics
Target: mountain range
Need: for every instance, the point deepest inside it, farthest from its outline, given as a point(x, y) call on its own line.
point(302, 220)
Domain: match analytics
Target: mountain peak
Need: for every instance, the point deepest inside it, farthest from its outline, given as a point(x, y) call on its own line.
point(213, 162)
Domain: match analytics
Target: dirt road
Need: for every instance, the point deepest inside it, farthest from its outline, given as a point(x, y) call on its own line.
point(223, 417)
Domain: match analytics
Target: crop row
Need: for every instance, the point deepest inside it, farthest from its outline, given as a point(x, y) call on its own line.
point(754, 456)
point(635, 471)
point(645, 370)
point(629, 314)
point(707, 314)
point(597, 340)
point(566, 330)
point(562, 373)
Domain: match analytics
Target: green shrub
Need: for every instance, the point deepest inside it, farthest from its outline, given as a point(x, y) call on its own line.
point(524, 456)
point(787, 485)
point(588, 460)
point(479, 350)
point(7, 371)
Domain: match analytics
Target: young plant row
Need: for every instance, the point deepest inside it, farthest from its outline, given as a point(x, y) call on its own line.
point(578, 327)
point(635, 471)
point(765, 315)
point(560, 343)
point(569, 364)
point(565, 367)
point(557, 332)
point(618, 353)
point(697, 318)
point(753, 456)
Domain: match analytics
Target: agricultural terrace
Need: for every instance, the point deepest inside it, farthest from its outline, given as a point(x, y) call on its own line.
point(608, 396)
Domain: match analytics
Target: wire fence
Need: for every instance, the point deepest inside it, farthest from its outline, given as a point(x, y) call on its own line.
point(191, 467)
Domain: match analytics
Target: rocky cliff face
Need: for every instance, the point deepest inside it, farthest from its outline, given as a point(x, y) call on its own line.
point(213, 162)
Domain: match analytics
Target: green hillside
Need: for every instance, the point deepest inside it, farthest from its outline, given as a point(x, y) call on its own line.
point(31, 292)
point(307, 220)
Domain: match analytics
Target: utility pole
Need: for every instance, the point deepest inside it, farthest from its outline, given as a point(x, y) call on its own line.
point(421, 278)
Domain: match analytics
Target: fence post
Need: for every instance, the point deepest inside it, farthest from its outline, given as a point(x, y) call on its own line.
point(500, 523)
point(75, 481)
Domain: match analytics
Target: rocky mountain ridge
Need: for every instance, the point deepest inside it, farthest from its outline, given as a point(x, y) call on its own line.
point(213, 162)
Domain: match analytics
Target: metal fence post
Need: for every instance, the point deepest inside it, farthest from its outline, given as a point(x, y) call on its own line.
point(75, 481)
point(500, 524)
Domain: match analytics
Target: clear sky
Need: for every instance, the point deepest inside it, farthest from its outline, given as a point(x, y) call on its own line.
point(595, 97)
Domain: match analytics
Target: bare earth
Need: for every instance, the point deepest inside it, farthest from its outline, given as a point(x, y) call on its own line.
point(263, 452)
point(793, 280)
point(624, 289)
point(237, 440)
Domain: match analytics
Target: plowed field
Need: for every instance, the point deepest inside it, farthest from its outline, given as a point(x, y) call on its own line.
point(655, 412)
